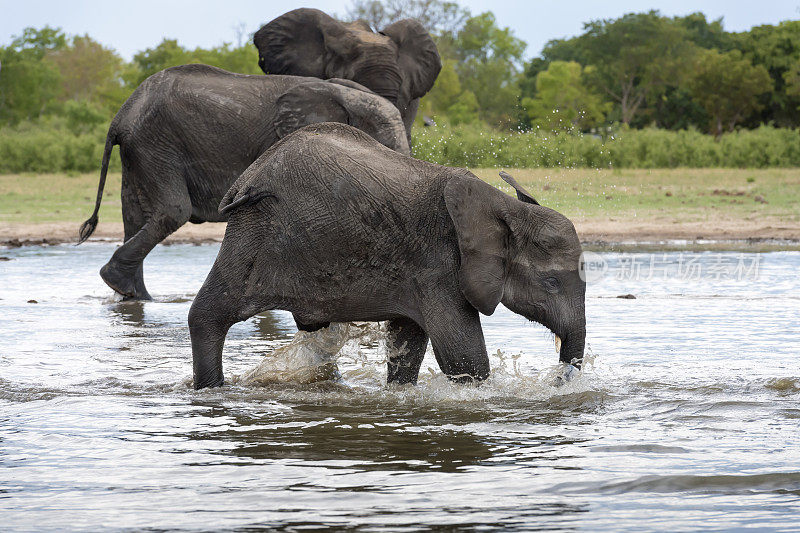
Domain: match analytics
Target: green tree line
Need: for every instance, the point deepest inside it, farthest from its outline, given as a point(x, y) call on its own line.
point(642, 69)
point(45, 74)
point(636, 72)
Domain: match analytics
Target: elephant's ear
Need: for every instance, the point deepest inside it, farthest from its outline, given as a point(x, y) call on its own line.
point(476, 209)
point(522, 194)
point(417, 56)
point(299, 42)
point(308, 103)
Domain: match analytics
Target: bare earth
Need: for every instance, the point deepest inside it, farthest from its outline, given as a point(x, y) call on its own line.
point(589, 229)
point(608, 206)
point(58, 232)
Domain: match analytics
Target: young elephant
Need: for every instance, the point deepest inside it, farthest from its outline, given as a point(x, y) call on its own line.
point(188, 132)
point(334, 227)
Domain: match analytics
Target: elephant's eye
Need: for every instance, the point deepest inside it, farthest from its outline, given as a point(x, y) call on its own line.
point(551, 284)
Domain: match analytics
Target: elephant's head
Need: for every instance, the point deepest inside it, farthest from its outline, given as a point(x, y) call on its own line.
point(342, 101)
point(521, 254)
point(400, 63)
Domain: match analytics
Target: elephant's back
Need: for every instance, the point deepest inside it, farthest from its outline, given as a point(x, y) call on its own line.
point(196, 93)
point(331, 153)
point(341, 181)
point(197, 75)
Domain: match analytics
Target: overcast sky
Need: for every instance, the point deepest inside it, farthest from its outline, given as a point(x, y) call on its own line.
point(132, 26)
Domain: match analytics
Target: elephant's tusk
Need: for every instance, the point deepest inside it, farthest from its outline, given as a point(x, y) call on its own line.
point(558, 344)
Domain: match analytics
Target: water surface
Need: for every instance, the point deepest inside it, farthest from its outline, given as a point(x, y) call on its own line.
point(687, 417)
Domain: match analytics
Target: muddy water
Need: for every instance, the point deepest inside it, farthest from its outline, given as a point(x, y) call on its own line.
point(688, 417)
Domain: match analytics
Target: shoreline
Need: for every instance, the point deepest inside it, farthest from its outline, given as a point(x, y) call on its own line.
point(594, 234)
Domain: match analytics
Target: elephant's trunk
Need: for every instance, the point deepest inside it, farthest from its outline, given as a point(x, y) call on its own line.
point(573, 345)
point(383, 78)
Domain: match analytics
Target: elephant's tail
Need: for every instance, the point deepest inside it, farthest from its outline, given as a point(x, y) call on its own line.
point(88, 227)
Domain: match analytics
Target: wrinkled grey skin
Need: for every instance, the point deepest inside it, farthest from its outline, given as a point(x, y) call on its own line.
point(333, 227)
point(400, 63)
point(188, 132)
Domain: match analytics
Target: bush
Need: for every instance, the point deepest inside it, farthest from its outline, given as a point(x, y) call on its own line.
point(82, 117)
point(474, 146)
point(52, 146)
point(57, 145)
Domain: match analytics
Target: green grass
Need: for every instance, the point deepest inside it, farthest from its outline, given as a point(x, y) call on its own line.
point(688, 194)
point(38, 198)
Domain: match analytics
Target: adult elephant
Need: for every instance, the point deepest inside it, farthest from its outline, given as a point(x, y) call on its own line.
point(400, 63)
point(333, 227)
point(186, 133)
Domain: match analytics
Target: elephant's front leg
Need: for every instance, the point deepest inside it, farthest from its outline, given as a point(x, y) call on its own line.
point(208, 338)
point(210, 318)
point(457, 338)
point(406, 342)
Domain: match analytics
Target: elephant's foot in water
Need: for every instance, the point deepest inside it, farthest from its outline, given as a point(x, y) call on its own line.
point(406, 343)
point(126, 281)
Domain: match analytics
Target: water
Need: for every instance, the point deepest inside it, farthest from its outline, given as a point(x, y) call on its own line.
point(688, 416)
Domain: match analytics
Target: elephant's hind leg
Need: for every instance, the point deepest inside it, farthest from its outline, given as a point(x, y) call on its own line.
point(125, 272)
point(407, 343)
point(133, 220)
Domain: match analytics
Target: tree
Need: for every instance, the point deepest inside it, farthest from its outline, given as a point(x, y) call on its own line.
point(436, 16)
point(527, 83)
point(39, 42)
point(671, 106)
point(792, 79)
point(488, 61)
point(636, 56)
point(81, 116)
point(481, 61)
point(777, 48)
point(562, 99)
point(88, 72)
point(28, 83)
point(448, 99)
point(727, 85)
point(168, 53)
point(705, 34)
point(242, 59)
point(674, 109)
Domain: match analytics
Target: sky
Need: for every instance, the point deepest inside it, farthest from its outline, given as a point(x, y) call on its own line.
point(129, 27)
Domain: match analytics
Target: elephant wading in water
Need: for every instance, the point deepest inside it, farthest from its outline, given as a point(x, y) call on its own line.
point(400, 63)
point(188, 132)
point(333, 227)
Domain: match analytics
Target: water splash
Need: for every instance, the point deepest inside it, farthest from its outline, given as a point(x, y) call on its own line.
point(354, 357)
point(310, 356)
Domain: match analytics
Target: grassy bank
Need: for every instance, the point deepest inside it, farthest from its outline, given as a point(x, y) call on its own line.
point(681, 194)
point(673, 196)
point(37, 198)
